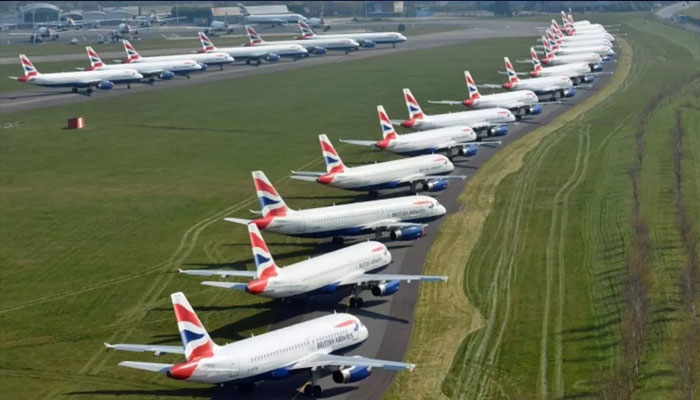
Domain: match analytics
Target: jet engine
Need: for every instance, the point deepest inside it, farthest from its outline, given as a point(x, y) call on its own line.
point(278, 373)
point(319, 51)
point(468, 151)
point(368, 44)
point(596, 68)
point(272, 57)
point(105, 85)
point(501, 130)
point(570, 92)
point(410, 233)
point(329, 288)
point(386, 289)
point(352, 374)
point(588, 79)
point(435, 185)
point(536, 109)
point(166, 75)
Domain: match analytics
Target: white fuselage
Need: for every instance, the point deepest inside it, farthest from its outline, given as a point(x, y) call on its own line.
point(376, 37)
point(278, 349)
point(327, 269)
point(589, 58)
point(430, 140)
point(389, 174)
point(478, 118)
point(82, 78)
point(509, 100)
point(541, 85)
point(570, 70)
point(213, 58)
point(593, 35)
point(585, 42)
point(352, 219)
point(310, 44)
point(275, 19)
point(248, 52)
point(600, 50)
point(151, 68)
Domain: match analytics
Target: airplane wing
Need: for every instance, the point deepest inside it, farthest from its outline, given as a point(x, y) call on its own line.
point(220, 272)
point(330, 360)
point(389, 224)
point(370, 143)
point(226, 285)
point(147, 366)
point(146, 348)
point(366, 278)
point(448, 102)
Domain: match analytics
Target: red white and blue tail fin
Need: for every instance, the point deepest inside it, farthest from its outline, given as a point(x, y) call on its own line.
point(271, 203)
point(242, 10)
point(95, 61)
point(472, 90)
point(131, 53)
point(546, 44)
point(565, 18)
point(536, 64)
point(512, 76)
point(548, 56)
point(414, 111)
point(306, 31)
point(27, 66)
point(333, 162)
point(253, 37)
point(388, 131)
point(207, 44)
point(266, 267)
point(194, 337)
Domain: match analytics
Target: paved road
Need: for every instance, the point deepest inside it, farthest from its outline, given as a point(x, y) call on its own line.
point(43, 97)
point(669, 11)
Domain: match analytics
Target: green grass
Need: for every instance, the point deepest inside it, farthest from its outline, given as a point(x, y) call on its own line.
point(95, 222)
point(546, 273)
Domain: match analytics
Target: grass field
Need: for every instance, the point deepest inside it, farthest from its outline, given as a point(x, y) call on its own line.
point(542, 284)
point(95, 222)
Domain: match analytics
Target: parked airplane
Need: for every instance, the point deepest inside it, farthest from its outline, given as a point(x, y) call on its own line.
point(491, 120)
point(155, 19)
point(304, 346)
point(578, 41)
point(519, 102)
point(104, 80)
point(255, 53)
point(555, 86)
point(457, 139)
point(319, 275)
point(42, 33)
point(568, 19)
point(553, 47)
point(402, 217)
point(272, 19)
point(428, 171)
point(315, 46)
point(577, 72)
point(213, 58)
point(591, 59)
point(218, 28)
point(365, 39)
point(588, 34)
point(160, 69)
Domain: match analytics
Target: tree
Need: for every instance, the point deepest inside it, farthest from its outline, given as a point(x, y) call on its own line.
point(502, 9)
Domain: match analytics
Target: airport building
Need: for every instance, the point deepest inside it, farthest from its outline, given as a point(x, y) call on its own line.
point(39, 12)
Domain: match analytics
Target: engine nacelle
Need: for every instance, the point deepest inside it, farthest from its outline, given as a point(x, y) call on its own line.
point(570, 92)
point(272, 57)
point(386, 289)
point(410, 233)
point(352, 374)
point(329, 288)
point(166, 75)
point(319, 51)
point(606, 58)
point(469, 151)
point(278, 373)
point(435, 185)
point(536, 109)
point(596, 68)
point(588, 79)
point(204, 67)
point(499, 130)
point(368, 44)
point(105, 85)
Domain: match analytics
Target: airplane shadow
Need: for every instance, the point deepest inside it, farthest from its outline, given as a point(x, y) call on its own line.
point(208, 392)
point(40, 94)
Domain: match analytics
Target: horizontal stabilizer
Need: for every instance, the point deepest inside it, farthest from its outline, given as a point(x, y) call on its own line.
point(370, 143)
point(517, 73)
point(226, 285)
point(14, 78)
point(221, 273)
point(395, 121)
point(146, 348)
point(524, 61)
point(448, 102)
point(304, 178)
point(308, 173)
point(146, 366)
point(241, 221)
point(490, 85)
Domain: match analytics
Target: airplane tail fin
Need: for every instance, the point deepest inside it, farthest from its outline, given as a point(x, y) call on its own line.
point(546, 44)
point(243, 10)
point(253, 37)
point(565, 18)
point(388, 131)
point(27, 66)
point(207, 44)
point(306, 31)
point(472, 90)
point(131, 53)
point(536, 64)
point(548, 56)
point(271, 203)
point(512, 76)
point(330, 156)
point(95, 61)
point(194, 337)
point(414, 111)
point(71, 22)
point(266, 266)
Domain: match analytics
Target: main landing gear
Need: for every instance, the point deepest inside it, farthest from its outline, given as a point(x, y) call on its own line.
point(373, 194)
point(312, 389)
point(338, 240)
point(74, 90)
point(355, 300)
